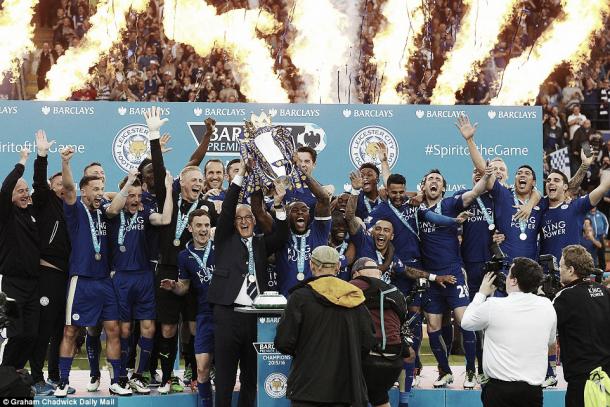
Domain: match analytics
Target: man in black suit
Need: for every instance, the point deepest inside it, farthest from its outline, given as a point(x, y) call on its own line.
point(240, 274)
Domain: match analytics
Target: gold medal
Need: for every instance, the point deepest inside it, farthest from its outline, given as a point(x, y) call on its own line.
point(98, 256)
point(176, 242)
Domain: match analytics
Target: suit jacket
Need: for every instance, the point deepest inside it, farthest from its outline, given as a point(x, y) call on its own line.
point(232, 255)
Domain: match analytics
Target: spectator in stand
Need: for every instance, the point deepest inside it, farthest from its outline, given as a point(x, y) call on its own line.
point(103, 89)
point(589, 241)
point(79, 20)
point(123, 93)
point(45, 61)
point(604, 108)
point(145, 60)
point(591, 100)
point(599, 228)
point(581, 135)
point(575, 120)
point(64, 33)
point(571, 95)
point(552, 135)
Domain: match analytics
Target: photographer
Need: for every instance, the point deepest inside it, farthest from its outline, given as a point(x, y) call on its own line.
point(583, 322)
point(518, 330)
point(383, 364)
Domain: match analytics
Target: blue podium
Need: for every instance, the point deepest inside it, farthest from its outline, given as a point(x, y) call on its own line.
point(273, 367)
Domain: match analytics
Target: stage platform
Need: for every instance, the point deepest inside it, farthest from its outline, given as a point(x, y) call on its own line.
point(424, 396)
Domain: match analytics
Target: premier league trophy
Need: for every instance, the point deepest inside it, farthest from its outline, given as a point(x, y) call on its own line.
point(271, 149)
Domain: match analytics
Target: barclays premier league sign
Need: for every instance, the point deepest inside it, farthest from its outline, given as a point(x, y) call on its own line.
point(418, 137)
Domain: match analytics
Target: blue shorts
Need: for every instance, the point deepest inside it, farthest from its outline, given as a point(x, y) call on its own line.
point(475, 273)
point(204, 335)
point(135, 291)
point(90, 301)
point(437, 299)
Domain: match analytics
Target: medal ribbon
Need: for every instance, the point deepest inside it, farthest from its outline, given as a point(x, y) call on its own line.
point(487, 216)
point(301, 250)
point(95, 234)
point(367, 203)
point(123, 229)
point(182, 220)
point(405, 222)
point(203, 262)
point(522, 223)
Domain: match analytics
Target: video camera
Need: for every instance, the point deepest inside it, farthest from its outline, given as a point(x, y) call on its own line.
point(420, 287)
point(551, 283)
point(497, 265)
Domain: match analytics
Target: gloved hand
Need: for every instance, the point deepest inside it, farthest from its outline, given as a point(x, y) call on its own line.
point(154, 122)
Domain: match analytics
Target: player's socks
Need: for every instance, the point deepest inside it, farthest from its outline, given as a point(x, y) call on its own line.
point(447, 333)
point(125, 349)
point(166, 356)
point(404, 395)
point(439, 350)
point(479, 336)
point(470, 346)
point(143, 351)
point(94, 347)
point(552, 363)
point(115, 371)
point(65, 365)
point(205, 393)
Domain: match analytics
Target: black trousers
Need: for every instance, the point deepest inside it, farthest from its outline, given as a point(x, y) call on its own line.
point(234, 333)
point(497, 393)
point(575, 394)
point(16, 350)
point(53, 284)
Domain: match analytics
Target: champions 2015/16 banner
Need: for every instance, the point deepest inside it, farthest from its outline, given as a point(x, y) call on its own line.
point(418, 137)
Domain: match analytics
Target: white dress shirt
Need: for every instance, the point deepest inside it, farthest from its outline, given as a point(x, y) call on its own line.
point(242, 297)
point(518, 330)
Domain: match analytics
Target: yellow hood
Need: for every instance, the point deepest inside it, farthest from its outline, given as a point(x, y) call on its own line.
point(338, 292)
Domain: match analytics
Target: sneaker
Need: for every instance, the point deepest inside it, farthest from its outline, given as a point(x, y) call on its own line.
point(550, 381)
point(153, 380)
point(176, 387)
point(188, 376)
point(94, 384)
point(43, 389)
point(416, 377)
point(138, 386)
point(469, 381)
point(120, 388)
point(443, 379)
point(55, 383)
point(61, 390)
point(482, 378)
point(165, 388)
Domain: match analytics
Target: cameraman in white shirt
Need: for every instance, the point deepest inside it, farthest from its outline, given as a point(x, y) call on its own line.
point(518, 331)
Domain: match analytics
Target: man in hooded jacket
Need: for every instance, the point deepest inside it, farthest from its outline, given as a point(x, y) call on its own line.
point(327, 329)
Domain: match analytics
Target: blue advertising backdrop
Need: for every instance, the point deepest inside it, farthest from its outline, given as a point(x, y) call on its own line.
point(419, 137)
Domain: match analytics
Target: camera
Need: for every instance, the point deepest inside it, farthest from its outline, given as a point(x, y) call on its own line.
point(599, 275)
point(497, 265)
point(551, 283)
point(420, 287)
